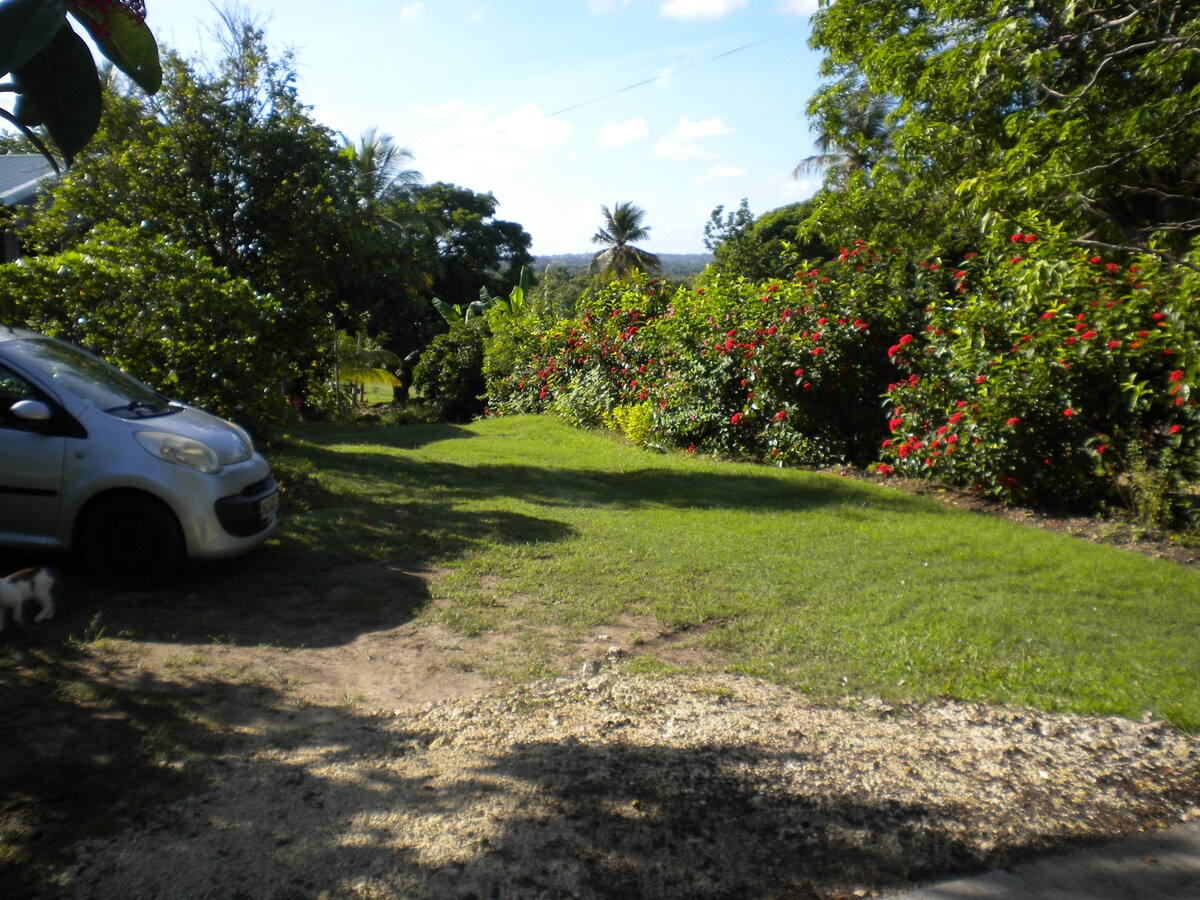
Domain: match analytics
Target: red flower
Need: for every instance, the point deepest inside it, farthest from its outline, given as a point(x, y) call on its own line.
point(781, 415)
point(884, 469)
point(980, 379)
point(1174, 429)
point(1177, 375)
point(1068, 412)
point(895, 423)
point(906, 340)
point(1013, 421)
point(735, 419)
point(1113, 345)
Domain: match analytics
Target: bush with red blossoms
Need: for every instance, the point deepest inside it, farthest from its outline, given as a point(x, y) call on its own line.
point(1031, 372)
point(1053, 378)
point(789, 372)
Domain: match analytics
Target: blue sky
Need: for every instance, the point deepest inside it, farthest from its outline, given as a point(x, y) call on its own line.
point(518, 98)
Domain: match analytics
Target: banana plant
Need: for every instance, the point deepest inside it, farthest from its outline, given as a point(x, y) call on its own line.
point(515, 302)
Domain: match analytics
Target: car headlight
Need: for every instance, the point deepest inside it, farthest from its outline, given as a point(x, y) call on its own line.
point(182, 451)
point(245, 447)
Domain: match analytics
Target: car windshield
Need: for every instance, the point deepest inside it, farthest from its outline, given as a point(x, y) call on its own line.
point(90, 378)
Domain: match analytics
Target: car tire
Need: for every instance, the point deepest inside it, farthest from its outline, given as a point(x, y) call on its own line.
point(132, 542)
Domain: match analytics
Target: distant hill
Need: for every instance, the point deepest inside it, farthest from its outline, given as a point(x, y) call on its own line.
point(674, 265)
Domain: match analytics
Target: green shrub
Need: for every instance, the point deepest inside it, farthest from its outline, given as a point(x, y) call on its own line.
point(789, 371)
point(449, 375)
point(1047, 376)
point(164, 314)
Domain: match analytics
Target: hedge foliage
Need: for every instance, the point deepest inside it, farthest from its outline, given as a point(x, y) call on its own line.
point(1029, 371)
point(165, 315)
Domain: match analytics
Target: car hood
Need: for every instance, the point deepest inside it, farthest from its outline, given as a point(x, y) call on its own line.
point(229, 442)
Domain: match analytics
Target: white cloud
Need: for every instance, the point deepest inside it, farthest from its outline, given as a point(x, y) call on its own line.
point(700, 9)
point(688, 130)
point(722, 173)
point(410, 12)
point(785, 189)
point(481, 142)
point(798, 7)
point(679, 151)
point(682, 143)
point(617, 134)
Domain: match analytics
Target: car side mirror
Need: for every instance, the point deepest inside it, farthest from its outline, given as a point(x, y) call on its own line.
point(31, 411)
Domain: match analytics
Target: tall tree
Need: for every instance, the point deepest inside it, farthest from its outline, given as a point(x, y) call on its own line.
point(455, 232)
point(855, 134)
point(766, 247)
point(228, 161)
point(622, 225)
point(1085, 112)
point(380, 167)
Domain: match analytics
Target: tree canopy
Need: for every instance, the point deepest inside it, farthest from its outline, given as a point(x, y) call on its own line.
point(620, 258)
point(1085, 112)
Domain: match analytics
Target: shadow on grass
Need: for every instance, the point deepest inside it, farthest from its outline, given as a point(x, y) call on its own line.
point(350, 561)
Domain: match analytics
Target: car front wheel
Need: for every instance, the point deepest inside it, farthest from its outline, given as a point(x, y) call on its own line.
point(132, 541)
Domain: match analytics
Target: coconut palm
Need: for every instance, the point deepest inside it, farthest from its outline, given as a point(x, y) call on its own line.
point(622, 225)
point(854, 136)
point(379, 166)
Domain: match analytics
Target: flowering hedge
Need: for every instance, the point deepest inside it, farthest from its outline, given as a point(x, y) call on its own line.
point(1048, 376)
point(1032, 372)
point(791, 371)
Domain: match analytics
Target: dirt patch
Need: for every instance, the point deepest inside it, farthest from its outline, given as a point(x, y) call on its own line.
point(613, 786)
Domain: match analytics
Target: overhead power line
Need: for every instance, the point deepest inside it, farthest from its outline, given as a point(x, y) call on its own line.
point(629, 87)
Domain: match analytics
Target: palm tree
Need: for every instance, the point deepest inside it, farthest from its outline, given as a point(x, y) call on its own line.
point(622, 224)
point(855, 135)
point(379, 166)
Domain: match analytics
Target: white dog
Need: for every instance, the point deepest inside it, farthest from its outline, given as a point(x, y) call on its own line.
point(38, 584)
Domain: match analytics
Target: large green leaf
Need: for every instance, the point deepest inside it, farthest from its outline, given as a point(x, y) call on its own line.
point(60, 89)
point(26, 26)
point(124, 39)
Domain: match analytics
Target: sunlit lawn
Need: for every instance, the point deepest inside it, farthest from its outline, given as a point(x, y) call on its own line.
point(834, 586)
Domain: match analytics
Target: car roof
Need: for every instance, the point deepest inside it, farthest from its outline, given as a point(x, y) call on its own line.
point(10, 333)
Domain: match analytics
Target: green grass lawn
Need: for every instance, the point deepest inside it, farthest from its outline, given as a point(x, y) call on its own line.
point(827, 584)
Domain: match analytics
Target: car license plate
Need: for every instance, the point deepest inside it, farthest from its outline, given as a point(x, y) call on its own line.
point(268, 505)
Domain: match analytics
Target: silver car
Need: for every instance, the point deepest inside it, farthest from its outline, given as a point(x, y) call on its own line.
point(94, 461)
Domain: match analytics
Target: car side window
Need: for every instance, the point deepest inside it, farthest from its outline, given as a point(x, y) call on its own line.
point(13, 388)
